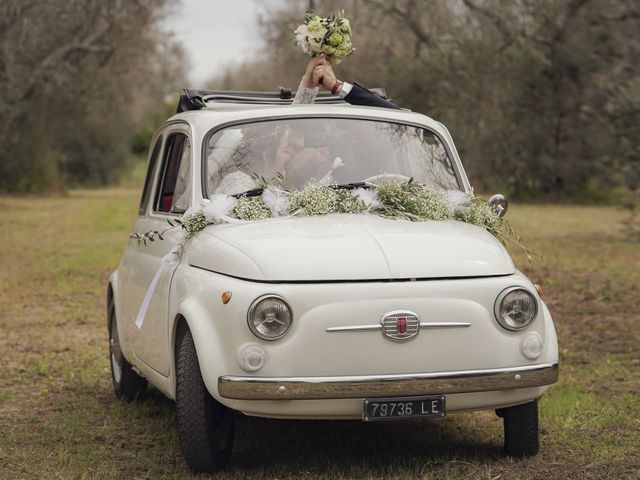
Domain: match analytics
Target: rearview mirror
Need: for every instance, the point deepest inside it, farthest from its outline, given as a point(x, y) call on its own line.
point(499, 204)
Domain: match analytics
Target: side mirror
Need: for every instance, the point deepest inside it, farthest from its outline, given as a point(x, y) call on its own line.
point(499, 204)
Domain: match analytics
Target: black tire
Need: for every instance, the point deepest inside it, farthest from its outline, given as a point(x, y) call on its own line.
point(521, 438)
point(205, 427)
point(127, 384)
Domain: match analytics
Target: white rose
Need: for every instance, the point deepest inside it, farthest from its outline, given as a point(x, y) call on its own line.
point(346, 26)
point(316, 41)
point(301, 38)
point(218, 208)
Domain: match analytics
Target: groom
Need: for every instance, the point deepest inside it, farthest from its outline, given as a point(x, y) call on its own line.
point(320, 72)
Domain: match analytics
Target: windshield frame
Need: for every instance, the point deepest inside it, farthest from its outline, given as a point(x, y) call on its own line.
point(455, 162)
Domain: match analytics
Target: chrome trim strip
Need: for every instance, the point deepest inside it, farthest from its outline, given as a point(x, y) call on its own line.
point(355, 328)
point(444, 324)
point(373, 328)
point(398, 385)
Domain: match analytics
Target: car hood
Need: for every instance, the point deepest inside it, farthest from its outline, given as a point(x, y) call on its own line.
point(348, 247)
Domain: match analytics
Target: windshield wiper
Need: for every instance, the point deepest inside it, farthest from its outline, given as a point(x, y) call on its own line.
point(254, 192)
point(351, 186)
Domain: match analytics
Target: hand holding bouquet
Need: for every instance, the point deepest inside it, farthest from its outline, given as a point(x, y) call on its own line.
point(330, 35)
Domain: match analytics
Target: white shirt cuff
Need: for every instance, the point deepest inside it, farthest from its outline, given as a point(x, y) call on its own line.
point(346, 88)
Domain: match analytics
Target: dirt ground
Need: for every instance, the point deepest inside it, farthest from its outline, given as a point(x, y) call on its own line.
point(60, 419)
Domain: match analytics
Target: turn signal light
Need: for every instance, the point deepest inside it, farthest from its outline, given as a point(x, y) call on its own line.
point(226, 296)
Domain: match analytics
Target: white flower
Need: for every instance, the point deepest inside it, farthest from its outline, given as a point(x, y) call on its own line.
point(346, 26)
point(276, 201)
point(316, 40)
point(328, 178)
point(368, 196)
point(218, 209)
point(458, 199)
point(301, 38)
point(196, 208)
point(337, 163)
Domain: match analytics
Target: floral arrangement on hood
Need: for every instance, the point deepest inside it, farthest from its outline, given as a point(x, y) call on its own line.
point(330, 36)
point(393, 199)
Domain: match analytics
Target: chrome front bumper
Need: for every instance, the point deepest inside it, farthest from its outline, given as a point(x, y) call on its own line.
point(440, 383)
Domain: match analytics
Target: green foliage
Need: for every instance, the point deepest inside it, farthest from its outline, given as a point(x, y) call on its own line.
point(80, 89)
point(315, 199)
point(192, 224)
point(623, 110)
point(413, 201)
point(348, 203)
point(148, 124)
point(390, 199)
point(251, 208)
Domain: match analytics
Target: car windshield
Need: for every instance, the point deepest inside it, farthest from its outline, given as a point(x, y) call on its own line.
point(326, 150)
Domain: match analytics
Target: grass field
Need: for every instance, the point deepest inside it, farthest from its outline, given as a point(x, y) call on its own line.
point(59, 418)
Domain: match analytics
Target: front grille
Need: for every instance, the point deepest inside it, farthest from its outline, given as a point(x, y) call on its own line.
point(400, 325)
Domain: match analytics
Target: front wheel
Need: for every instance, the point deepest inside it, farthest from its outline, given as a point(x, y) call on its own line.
point(205, 427)
point(127, 384)
point(521, 437)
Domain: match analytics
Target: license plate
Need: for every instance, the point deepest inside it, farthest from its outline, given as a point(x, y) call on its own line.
point(374, 409)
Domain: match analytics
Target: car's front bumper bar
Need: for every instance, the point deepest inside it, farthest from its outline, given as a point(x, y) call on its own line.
point(439, 383)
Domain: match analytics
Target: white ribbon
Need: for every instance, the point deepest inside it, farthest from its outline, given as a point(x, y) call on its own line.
point(276, 200)
point(167, 261)
point(367, 196)
point(328, 178)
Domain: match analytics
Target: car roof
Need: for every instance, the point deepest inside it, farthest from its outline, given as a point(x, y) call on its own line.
point(201, 121)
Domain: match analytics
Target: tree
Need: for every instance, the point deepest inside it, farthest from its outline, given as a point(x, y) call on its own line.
point(66, 73)
point(522, 84)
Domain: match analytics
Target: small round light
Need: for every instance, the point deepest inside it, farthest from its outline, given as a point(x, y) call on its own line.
point(270, 317)
point(515, 308)
point(252, 358)
point(225, 297)
point(531, 346)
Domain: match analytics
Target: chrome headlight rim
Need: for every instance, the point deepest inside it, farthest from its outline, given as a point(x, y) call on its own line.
point(498, 303)
point(252, 308)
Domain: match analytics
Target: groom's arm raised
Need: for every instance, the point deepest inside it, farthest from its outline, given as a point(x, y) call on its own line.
point(352, 93)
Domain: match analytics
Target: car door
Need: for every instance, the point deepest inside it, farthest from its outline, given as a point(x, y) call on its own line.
point(149, 279)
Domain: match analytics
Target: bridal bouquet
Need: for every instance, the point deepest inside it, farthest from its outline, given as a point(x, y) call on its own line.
point(330, 35)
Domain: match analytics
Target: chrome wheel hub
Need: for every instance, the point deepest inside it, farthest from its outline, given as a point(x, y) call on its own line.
point(116, 353)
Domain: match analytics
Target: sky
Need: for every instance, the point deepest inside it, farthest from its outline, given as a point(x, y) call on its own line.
point(215, 33)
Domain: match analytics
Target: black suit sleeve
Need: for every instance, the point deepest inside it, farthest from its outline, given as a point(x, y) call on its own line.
point(361, 96)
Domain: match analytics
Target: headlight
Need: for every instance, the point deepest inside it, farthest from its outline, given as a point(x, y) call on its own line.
point(269, 317)
point(515, 308)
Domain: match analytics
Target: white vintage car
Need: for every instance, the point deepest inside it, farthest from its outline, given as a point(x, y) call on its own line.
point(341, 316)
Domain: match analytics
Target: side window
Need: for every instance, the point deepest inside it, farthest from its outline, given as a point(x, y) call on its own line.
point(182, 195)
point(174, 190)
point(146, 192)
